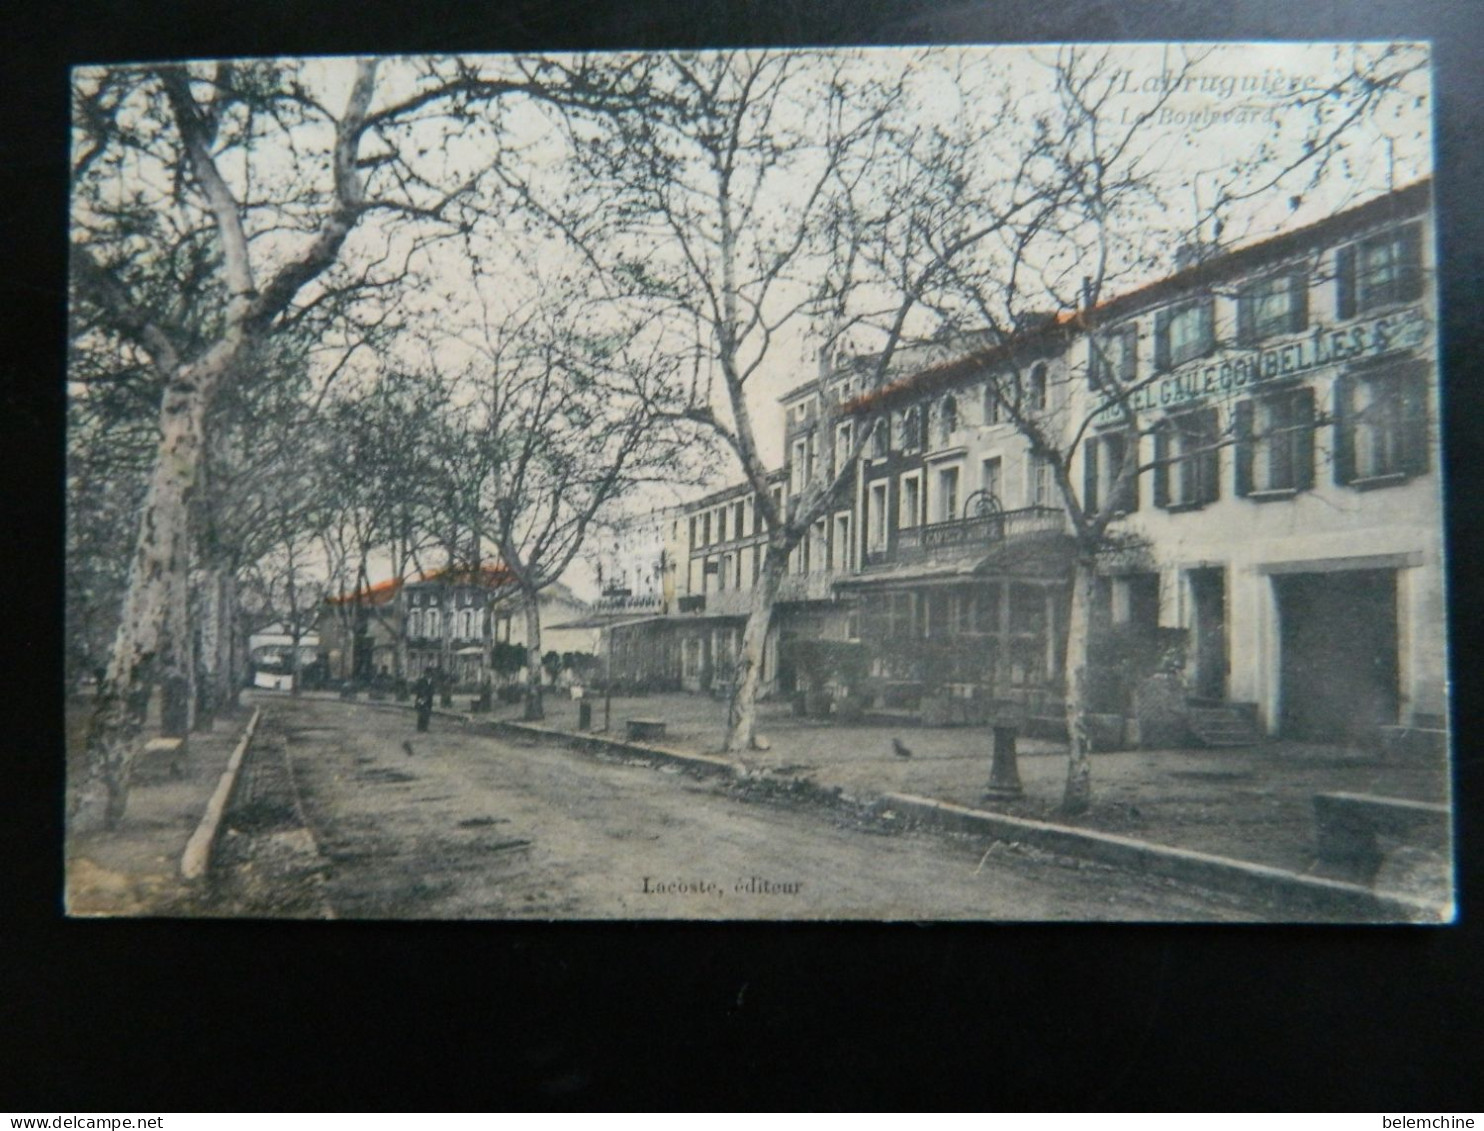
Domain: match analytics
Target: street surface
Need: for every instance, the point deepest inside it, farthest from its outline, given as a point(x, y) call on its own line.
point(467, 826)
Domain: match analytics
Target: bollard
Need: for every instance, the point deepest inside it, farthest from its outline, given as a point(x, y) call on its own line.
point(1004, 773)
point(584, 715)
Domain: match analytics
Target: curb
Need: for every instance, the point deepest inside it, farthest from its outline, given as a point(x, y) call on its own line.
point(596, 743)
point(1292, 891)
point(197, 855)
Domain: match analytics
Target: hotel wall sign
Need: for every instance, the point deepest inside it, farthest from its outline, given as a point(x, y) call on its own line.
point(1235, 372)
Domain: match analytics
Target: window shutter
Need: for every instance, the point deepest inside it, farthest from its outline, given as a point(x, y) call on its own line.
point(1246, 331)
point(1090, 474)
point(1299, 310)
point(1130, 354)
point(1161, 464)
point(1343, 441)
point(1409, 267)
point(1210, 456)
point(1208, 326)
point(1345, 283)
point(1129, 450)
point(1162, 340)
point(1242, 425)
point(1413, 391)
point(1303, 439)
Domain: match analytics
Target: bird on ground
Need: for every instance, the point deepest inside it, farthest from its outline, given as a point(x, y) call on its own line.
point(407, 746)
point(899, 750)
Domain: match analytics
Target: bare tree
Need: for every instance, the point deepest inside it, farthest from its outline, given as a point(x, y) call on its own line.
point(1114, 220)
point(556, 432)
point(212, 204)
point(764, 197)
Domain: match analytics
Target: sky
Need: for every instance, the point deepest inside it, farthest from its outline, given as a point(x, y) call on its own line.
point(1232, 104)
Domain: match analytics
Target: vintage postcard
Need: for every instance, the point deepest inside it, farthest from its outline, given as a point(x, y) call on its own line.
point(987, 483)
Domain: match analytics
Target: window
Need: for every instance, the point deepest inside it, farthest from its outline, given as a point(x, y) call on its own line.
point(880, 439)
point(817, 555)
point(911, 502)
point(466, 624)
point(841, 455)
point(693, 530)
point(430, 623)
point(1275, 443)
point(706, 529)
point(796, 470)
point(1187, 460)
point(691, 658)
point(1113, 359)
point(1382, 270)
point(991, 477)
point(947, 420)
point(1182, 333)
point(947, 502)
point(1381, 426)
point(723, 571)
point(739, 512)
point(1103, 458)
point(876, 516)
point(415, 623)
point(840, 547)
point(992, 403)
point(813, 457)
point(912, 430)
point(1036, 392)
point(721, 525)
point(1042, 486)
point(1277, 305)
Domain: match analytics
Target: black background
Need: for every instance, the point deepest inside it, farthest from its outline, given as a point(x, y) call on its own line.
point(141, 1016)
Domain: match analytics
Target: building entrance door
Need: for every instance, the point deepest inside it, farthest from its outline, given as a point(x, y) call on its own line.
point(1208, 594)
point(1337, 635)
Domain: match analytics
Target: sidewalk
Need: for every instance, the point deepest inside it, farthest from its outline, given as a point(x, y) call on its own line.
point(1253, 804)
point(135, 869)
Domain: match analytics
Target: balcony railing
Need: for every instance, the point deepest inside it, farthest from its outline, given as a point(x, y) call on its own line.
point(718, 603)
point(914, 543)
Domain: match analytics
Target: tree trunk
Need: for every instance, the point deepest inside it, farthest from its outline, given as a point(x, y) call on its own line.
point(533, 657)
point(1078, 794)
point(747, 677)
point(157, 579)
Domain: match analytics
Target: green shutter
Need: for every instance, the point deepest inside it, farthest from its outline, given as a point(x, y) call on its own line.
point(1162, 340)
point(1413, 391)
point(1210, 456)
point(1130, 451)
point(1299, 310)
point(1303, 439)
point(1242, 425)
point(1345, 283)
point(1246, 329)
point(1090, 475)
point(1161, 464)
point(1409, 266)
point(1208, 326)
point(1343, 442)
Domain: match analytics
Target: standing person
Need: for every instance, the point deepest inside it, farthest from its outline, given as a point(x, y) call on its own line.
point(422, 700)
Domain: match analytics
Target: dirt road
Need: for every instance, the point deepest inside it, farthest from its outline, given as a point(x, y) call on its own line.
point(466, 826)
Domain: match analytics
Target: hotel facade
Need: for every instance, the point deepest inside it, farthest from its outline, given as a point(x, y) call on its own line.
point(1280, 549)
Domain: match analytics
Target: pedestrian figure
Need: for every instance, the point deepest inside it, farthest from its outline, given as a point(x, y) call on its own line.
point(422, 698)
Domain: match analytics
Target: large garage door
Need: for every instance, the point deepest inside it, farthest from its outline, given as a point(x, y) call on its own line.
point(1339, 661)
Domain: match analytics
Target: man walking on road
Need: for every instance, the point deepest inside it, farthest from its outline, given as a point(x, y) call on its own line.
point(422, 699)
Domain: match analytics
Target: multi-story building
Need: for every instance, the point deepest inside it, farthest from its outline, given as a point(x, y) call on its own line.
point(1293, 512)
point(446, 619)
point(1282, 539)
